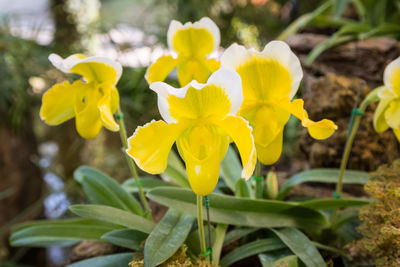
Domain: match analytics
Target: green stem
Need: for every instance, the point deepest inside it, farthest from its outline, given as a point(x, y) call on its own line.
point(259, 182)
point(131, 163)
point(200, 224)
point(370, 98)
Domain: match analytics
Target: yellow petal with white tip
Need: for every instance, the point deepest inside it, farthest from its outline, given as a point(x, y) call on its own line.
point(58, 102)
point(149, 146)
point(159, 70)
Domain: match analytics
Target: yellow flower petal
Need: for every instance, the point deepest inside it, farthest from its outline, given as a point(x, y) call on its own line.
point(386, 97)
point(210, 101)
point(397, 133)
point(391, 76)
point(193, 42)
point(392, 114)
point(202, 148)
point(212, 65)
point(149, 146)
point(65, 64)
point(96, 72)
point(160, 69)
point(318, 130)
point(189, 70)
point(241, 133)
point(87, 121)
point(107, 107)
point(270, 153)
point(58, 102)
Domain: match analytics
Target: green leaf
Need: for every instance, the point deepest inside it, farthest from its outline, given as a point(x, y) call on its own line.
point(114, 260)
point(331, 203)
point(241, 211)
point(327, 248)
point(267, 259)
point(288, 261)
point(231, 169)
point(126, 238)
point(250, 249)
point(102, 189)
point(242, 189)
point(166, 238)
point(114, 216)
point(147, 183)
point(238, 233)
point(340, 5)
point(301, 246)
point(193, 241)
point(304, 20)
point(384, 29)
point(175, 171)
point(323, 176)
point(218, 243)
point(58, 232)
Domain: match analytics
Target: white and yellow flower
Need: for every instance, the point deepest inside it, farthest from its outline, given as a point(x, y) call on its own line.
point(191, 44)
point(387, 113)
point(201, 119)
point(270, 80)
point(92, 101)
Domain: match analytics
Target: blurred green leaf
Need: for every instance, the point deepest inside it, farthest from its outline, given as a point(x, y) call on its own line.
point(331, 203)
point(114, 260)
point(58, 232)
point(250, 249)
point(339, 7)
point(114, 216)
point(218, 243)
point(175, 171)
point(147, 183)
point(166, 238)
point(384, 29)
point(102, 189)
point(193, 241)
point(242, 189)
point(126, 238)
point(231, 168)
point(323, 176)
point(238, 233)
point(241, 211)
point(267, 259)
point(301, 246)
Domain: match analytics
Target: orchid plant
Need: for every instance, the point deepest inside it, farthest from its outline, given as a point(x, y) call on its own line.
point(246, 98)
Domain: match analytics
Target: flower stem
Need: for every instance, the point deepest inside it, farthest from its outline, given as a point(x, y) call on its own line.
point(200, 224)
point(131, 163)
point(259, 180)
point(353, 127)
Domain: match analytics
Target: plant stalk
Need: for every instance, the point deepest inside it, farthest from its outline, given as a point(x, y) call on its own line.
point(259, 181)
point(200, 224)
point(131, 163)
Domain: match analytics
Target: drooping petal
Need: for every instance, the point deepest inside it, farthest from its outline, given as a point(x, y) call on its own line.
point(65, 64)
point(392, 114)
point(58, 102)
point(270, 153)
point(273, 73)
point(391, 76)
point(319, 130)
point(98, 69)
point(202, 148)
point(241, 133)
point(220, 96)
point(197, 39)
point(106, 105)
point(159, 70)
point(190, 70)
point(386, 96)
point(87, 121)
point(150, 144)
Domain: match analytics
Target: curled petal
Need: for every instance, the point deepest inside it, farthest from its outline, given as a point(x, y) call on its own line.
point(392, 114)
point(386, 97)
point(241, 133)
point(107, 107)
point(58, 102)
point(160, 69)
point(391, 76)
point(318, 130)
point(65, 64)
point(150, 144)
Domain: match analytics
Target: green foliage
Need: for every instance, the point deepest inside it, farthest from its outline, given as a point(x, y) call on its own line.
point(115, 260)
point(380, 219)
point(126, 238)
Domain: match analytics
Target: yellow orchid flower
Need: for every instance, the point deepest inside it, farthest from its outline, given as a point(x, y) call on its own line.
point(201, 119)
point(92, 101)
point(270, 80)
point(387, 113)
point(191, 43)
